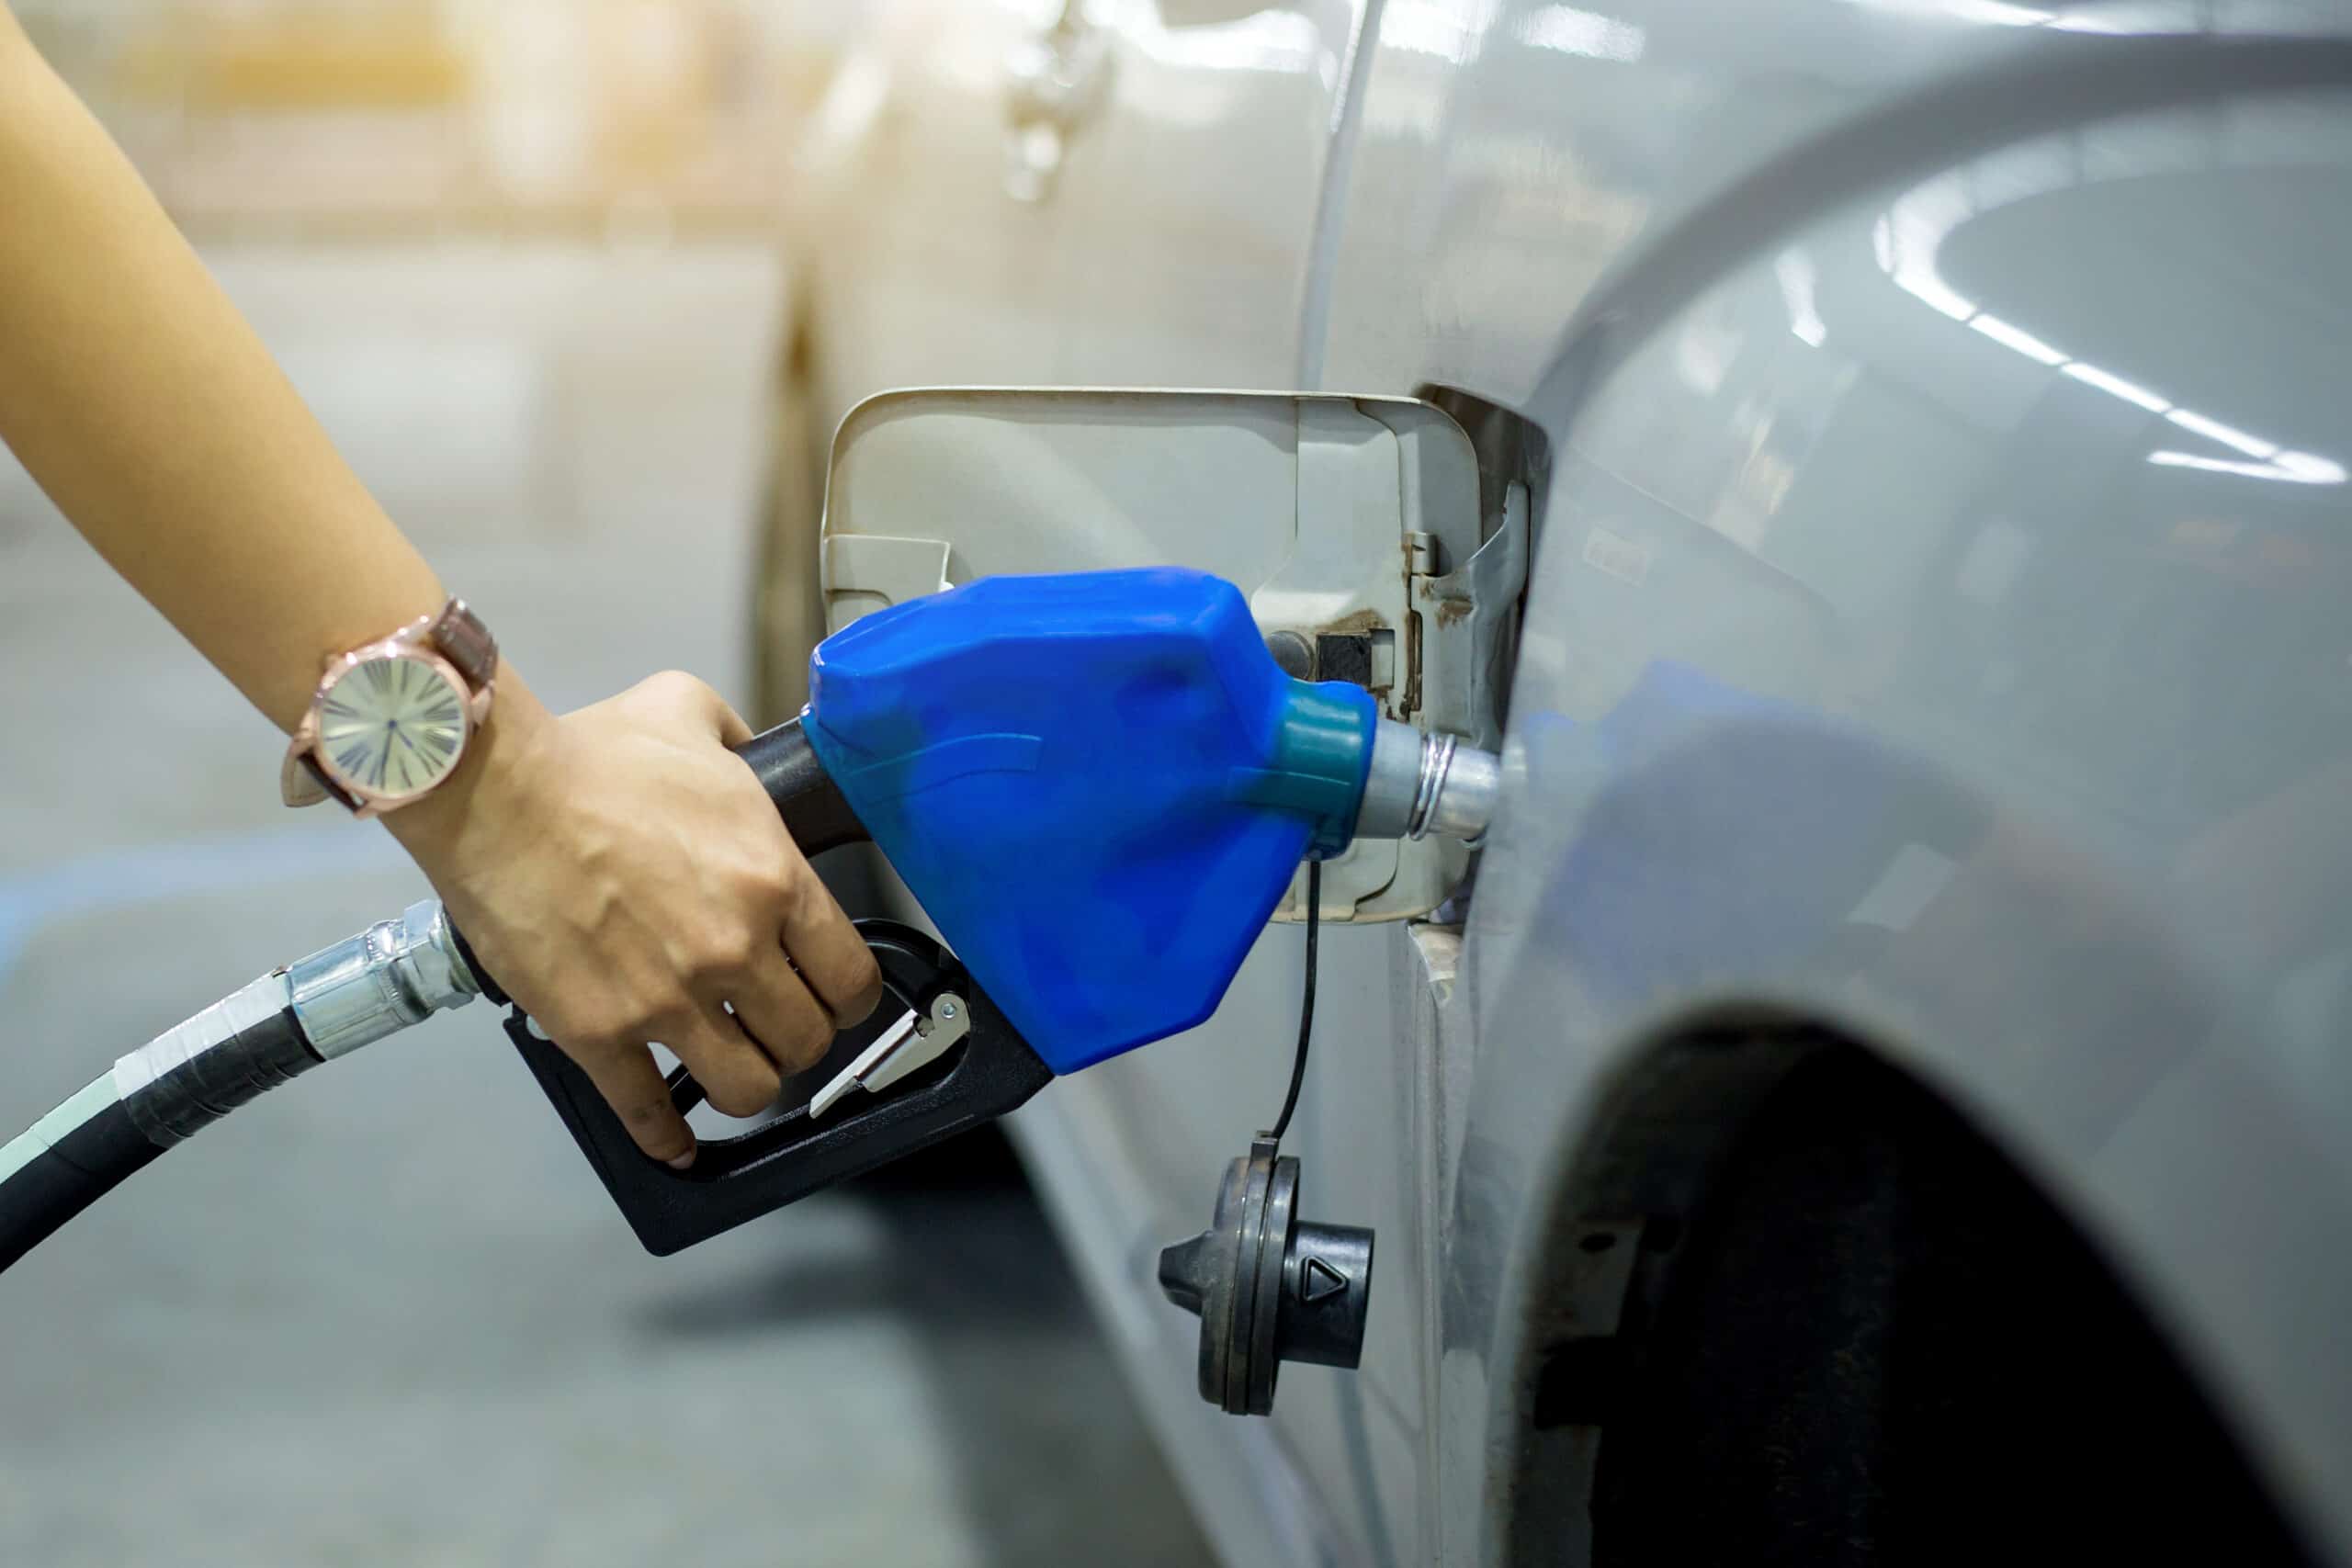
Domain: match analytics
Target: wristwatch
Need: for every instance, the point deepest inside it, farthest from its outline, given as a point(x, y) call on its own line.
point(391, 718)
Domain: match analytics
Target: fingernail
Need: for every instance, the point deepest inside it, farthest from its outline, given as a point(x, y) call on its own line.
point(682, 1161)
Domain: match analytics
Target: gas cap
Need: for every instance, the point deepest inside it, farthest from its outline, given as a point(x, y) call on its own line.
point(1268, 1286)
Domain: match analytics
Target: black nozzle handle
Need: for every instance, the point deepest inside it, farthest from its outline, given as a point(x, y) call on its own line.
point(815, 811)
point(742, 1178)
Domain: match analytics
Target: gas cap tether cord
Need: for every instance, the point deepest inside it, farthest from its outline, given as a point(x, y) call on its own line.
point(1306, 1003)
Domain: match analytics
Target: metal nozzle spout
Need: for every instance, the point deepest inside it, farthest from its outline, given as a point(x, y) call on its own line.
point(1420, 785)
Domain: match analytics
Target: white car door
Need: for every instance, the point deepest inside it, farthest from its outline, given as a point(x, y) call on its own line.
point(1067, 191)
point(1192, 201)
point(913, 263)
point(1189, 185)
point(1139, 208)
point(1345, 521)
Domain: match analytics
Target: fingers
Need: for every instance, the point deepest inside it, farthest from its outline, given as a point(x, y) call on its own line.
point(725, 924)
point(775, 1006)
point(626, 1076)
point(737, 1076)
point(833, 960)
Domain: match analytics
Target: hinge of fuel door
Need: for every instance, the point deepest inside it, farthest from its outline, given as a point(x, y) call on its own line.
point(1452, 668)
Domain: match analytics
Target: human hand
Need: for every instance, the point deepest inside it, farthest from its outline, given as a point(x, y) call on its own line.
point(625, 879)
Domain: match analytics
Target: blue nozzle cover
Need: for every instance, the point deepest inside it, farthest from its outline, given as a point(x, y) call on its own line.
point(1098, 786)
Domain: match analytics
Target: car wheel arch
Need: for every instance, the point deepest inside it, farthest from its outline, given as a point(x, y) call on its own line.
point(1603, 1292)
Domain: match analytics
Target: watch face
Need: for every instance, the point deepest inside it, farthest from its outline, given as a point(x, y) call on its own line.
point(393, 726)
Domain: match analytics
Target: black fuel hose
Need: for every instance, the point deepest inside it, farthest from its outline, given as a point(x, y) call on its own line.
point(292, 1020)
point(62, 1178)
point(163, 1093)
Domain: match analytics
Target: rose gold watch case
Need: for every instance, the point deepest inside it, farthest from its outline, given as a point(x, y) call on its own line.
point(413, 642)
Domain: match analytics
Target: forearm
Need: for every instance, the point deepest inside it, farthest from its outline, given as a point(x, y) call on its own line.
point(146, 407)
point(623, 876)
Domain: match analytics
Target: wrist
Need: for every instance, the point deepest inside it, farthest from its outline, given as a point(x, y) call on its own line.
point(497, 753)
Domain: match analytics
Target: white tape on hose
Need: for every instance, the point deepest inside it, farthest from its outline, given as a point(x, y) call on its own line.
point(45, 1134)
point(224, 1019)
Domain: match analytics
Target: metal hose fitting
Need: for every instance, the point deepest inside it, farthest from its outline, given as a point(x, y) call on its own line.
point(392, 974)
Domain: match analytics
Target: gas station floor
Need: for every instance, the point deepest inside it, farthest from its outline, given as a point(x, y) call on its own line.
point(387, 1315)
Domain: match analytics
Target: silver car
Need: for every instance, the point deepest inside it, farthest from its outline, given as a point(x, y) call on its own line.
point(1878, 470)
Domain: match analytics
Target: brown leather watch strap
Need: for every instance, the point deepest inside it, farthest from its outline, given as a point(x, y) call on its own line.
point(465, 642)
point(336, 791)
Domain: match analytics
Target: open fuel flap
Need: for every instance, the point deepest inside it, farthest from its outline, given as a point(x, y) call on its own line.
point(1352, 523)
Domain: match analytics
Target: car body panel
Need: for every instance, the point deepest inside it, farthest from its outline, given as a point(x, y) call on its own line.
point(1871, 674)
point(954, 279)
point(1191, 196)
point(2064, 727)
point(918, 267)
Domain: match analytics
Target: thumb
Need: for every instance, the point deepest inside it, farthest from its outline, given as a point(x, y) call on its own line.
point(732, 730)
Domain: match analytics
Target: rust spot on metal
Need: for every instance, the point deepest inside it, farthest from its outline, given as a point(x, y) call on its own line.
point(1412, 699)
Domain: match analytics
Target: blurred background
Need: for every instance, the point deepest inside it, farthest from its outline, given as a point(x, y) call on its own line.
point(316, 117)
point(520, 255)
